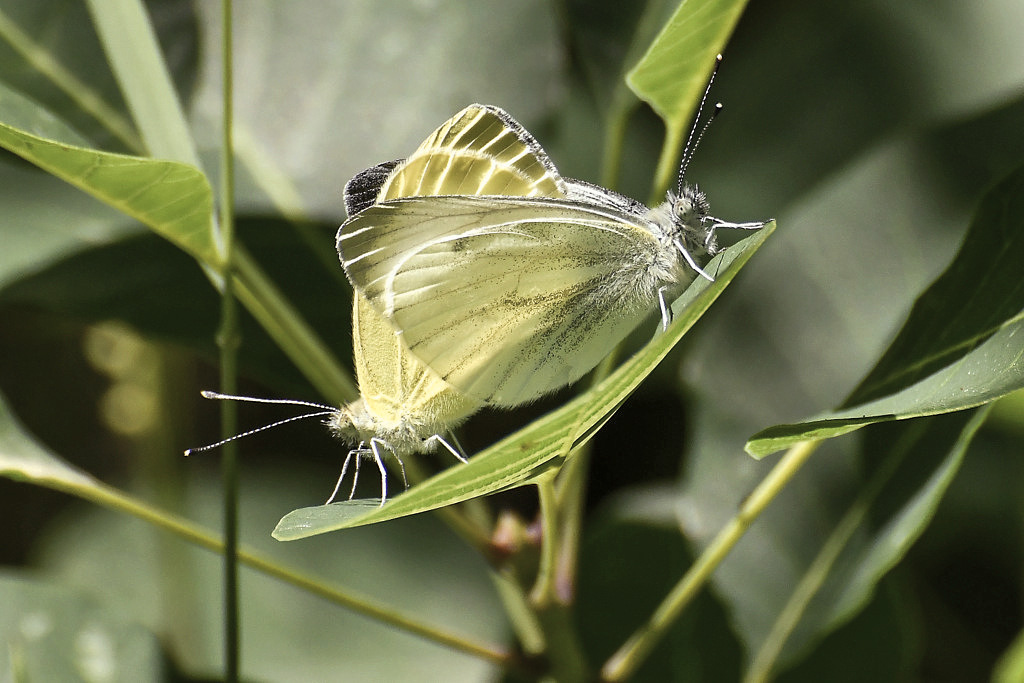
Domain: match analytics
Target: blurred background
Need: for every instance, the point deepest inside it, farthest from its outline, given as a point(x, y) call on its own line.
point(868, 130)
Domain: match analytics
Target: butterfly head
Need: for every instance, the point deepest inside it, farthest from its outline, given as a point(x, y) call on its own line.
point(689, 212)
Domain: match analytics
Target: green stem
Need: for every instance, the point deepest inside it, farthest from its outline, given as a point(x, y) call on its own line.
point(118, 501)
point(614, 139)
point(668, 163)
point(520, 613)
point(634, 651)
point(566, 661)
point(542, 594)
point(229, 340)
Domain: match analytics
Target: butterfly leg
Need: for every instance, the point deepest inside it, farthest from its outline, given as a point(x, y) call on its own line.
point(375, 450)
point(459, 454)
point(691, 262)
point(666, 312)
point(337, 485)
point(709, 241)
point(458, 447)
point(401, 465)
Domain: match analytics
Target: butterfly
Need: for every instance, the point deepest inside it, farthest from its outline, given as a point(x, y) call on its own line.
point(403, 408)
point(506, 279)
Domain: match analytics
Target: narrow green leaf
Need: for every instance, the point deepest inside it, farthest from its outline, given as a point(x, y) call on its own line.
point(172, 198)
point(547, 441)
point(962, 344)
point(674, 72)
point(909, 467)
point(133, 51)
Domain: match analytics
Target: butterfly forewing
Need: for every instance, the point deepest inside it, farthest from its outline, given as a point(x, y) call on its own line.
point(479, 303)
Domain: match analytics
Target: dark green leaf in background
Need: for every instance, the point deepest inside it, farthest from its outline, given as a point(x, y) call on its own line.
point(962, 345)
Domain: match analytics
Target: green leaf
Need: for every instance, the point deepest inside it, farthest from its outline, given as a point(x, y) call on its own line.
point(674, 72)
point(909, 467)
point(962, 344)
point(547, 441)
point(980, 295)
point(173, 199)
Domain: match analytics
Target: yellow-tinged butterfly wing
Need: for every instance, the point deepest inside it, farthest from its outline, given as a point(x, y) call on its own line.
point(399, 392)
point(505, 298)
point(481, 150)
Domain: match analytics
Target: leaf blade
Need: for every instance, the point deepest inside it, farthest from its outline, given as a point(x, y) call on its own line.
point(962, 344)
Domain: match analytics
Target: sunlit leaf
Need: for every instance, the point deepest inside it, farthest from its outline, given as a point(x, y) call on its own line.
point(673, 73)
point(173, 199)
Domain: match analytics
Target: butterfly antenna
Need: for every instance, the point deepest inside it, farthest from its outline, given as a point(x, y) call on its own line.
point(253, 399)
point(694, 138)
point(190, 451)
point(324, 410)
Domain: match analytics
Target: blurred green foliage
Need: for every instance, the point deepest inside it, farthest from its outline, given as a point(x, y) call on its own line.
point(870, 131)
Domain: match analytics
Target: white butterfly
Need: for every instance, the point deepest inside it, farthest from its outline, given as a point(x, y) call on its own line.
point(501, 276)
point(403, 407)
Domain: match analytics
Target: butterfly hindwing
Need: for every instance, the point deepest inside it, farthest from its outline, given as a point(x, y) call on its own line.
point(398, 391)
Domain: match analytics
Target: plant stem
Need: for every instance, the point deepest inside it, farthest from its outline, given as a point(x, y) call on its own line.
point(119, 501)
point(668, 164)
point(614, 137)
point(542, 594)
point(229, 339)
point(633, 652)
